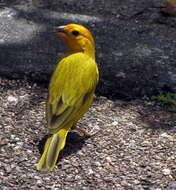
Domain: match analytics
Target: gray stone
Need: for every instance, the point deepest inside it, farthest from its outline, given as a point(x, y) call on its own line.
point(135, 42)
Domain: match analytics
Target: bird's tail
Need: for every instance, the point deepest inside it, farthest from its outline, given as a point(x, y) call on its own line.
point(53, 146)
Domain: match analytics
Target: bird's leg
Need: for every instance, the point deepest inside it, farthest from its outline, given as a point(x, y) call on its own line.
point(82, 131)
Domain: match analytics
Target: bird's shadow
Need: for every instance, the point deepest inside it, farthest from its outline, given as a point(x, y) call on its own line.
point(74, 143)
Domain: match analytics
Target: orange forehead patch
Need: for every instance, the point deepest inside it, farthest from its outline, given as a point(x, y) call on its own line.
point(78, 27)
point(83, 30)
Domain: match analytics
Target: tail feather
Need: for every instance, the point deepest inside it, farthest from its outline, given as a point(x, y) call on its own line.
point(53, 146)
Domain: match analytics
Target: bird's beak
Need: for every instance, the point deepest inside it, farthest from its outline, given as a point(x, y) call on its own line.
point(60, 32)
point(59, 29)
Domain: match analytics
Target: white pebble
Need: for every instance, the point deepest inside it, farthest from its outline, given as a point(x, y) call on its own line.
point(108, 159)
point(156, 164)
point(12, 136)
point(166, 171)
point(165, 135)
point(114, 123)
point(145, 143)
point(97, 164)
point(37, 177)
point(1, 173)
point(90, 171)
point(12, 99)
point(96, 127)
point(47, 178)
point(136, 182)
point(29, 151)
point(39, 182)
point(17, 147)
point(130, 124)
point(20, 143)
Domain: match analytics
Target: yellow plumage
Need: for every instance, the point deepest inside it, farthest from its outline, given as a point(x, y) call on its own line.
point(71, 90)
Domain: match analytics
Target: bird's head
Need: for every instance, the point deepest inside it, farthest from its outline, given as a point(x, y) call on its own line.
point(77, 38)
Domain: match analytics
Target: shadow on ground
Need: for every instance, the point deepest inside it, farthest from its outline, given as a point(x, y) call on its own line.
point(74, 143)
point(158, 119)
point(151, 114)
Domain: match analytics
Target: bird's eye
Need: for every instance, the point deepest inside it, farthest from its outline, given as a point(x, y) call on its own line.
point(75, 33)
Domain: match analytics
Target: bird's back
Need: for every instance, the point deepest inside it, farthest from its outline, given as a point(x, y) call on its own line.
point(71, 89)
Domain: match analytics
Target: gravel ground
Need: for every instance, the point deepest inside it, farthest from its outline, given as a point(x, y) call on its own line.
point(134, 148)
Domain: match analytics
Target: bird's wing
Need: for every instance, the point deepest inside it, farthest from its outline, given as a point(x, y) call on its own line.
point(73, 81)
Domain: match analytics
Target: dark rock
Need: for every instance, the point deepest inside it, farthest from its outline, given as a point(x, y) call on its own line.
point(135, 42)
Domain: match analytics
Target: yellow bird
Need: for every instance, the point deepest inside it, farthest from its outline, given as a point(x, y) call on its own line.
point(71, 90)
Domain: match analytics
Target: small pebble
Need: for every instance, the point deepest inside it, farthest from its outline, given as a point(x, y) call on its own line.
point(12, 99)
point(156, 165)
point(124, 183)
point(8, 169)
point(96, 127)
point(90, 171)
point(29, 151)
point(20, 143)
point(37, 177)
point(145, 143)
point(17, 147)
point(97, 164)
point(136, 181)
point(1, 173)
point(114, 123)
point(12, 136)
point(39, 182)
point(130, 124)
point(108, 179)
point(108, 159)
point(166, 171)
point(165, 135)
point(47, 178)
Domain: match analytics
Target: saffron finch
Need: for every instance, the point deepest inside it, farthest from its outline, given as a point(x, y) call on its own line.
point(71, 90)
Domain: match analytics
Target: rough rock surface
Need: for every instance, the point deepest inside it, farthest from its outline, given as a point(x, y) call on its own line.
point(135, 42)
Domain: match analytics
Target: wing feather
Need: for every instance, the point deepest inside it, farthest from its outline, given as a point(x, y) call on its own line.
point(72, 83)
